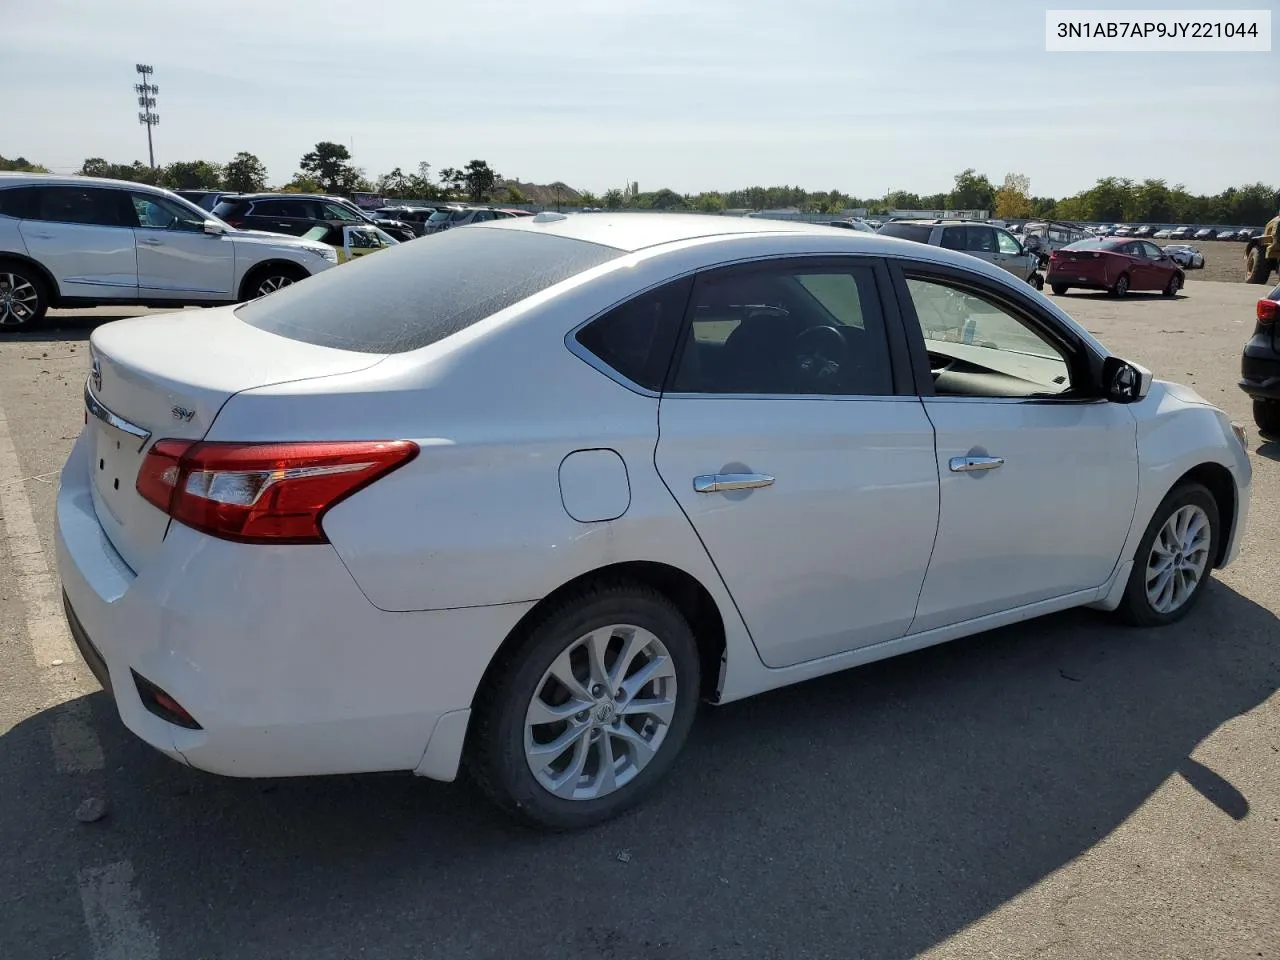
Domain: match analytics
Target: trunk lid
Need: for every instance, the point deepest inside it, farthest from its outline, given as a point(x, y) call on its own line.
point(167, 376)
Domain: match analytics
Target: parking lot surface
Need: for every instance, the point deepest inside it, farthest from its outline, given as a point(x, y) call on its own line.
point(1063, 788)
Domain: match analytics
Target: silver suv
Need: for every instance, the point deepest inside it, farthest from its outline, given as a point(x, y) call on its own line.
point(81, 242)
point(982, 240)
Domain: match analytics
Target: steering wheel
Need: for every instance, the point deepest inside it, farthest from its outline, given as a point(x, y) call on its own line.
point(821, 355)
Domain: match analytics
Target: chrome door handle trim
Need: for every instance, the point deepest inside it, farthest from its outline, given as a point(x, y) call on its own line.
point(974, 464)
point(725, 482)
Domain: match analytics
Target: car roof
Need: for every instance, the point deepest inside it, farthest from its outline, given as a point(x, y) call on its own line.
point(636, 231)
point(17, 178)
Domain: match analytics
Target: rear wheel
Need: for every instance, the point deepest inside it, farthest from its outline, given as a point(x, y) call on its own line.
point(24, 298)
point(1121, 289)
point(1036, 281)
point(1173, 286)
point(587, 713)
point(1257, 267)
point(1060, 289)
point(1173, 559)
point(1266, 414)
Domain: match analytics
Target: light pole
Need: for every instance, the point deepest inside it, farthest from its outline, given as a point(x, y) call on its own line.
point(147, 92)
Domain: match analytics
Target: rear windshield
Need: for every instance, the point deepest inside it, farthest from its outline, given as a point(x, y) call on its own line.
point(225, 206)
point(418, 293)
point(919, 232)
point(1100, 244)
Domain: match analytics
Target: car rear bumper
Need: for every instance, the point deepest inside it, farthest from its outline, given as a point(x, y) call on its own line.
point(1260, 368)
point(274, 651)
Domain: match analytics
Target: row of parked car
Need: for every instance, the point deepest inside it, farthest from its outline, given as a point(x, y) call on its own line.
point(1175, 233)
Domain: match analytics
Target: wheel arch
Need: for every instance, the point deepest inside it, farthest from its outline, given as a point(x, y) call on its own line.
point(258, 269)
point(1222, 485)
point(55, 295)
point(690, 597)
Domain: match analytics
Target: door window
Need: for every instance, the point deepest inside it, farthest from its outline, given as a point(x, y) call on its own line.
point(1006, 243)
point(953, 238)
point(802, 330)
point(980, 240)
point(160, 214)
point(1133, 249)
point(287, 209)
point(18, 202)
point(978, 348)
point(94, 206)
point(1152, 251)
point(335, 211)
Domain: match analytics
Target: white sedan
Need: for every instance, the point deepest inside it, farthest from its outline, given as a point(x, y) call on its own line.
point(515, 499)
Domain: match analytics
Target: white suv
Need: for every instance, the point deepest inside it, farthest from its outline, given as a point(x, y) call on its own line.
point(80, 242)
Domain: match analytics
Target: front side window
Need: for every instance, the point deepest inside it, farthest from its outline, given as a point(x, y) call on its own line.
point(980, 348)
point(91, 206)
point(1006, 243)
point(802, 330)
point(160, 214)
point(1152, 251)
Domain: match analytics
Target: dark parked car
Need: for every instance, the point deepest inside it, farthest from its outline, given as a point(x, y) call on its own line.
point(1206, 233)
point(296, 213)
point(1260, 366)
point(204, 199)
point(1117, 265)
point(415, 217)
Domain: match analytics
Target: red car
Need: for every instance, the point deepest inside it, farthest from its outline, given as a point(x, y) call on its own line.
point(1115, 264)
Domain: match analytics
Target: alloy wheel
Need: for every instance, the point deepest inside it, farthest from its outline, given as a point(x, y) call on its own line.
point(600, 713)
point(274, 283)
point(1179, 558)
point(19, 300)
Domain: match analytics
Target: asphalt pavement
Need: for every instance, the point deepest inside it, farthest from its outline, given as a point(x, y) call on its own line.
point(1064, 788)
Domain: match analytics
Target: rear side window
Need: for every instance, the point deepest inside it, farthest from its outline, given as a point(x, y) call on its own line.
point(413, 295)
point(919, 232)
point(225, 207)
point(93, 206)
point(289, 209)
point(18, 202)
point(638, 338)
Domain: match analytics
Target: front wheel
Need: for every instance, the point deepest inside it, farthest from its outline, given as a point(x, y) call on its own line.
point(587, 713)
point(1060, 289)
point(1266, 414)
point(1173, 559)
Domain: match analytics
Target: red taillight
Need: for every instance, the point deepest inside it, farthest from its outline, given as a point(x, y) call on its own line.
point(263, 492)
point(235, 222)
point(1267, 310)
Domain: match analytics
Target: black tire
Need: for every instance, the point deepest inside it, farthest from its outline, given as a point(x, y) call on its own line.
point(1036, 281)
point(1266, 414)
point(1135, 606)
point(495, 755)
point(1173, 286)
point(276, 275)
point(24, 296)
point(1257, 267)
point(1121, 289)
point(1060, 289)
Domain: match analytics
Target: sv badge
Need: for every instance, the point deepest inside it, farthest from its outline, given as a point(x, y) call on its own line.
point(182, 414)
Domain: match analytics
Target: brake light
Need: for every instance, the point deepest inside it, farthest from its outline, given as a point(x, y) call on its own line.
point(262, 492)
point(1267, 310)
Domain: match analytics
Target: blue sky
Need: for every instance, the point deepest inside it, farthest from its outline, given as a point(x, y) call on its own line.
point(858, 95)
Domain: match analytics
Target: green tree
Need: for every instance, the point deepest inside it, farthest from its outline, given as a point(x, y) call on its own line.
point(710, 203)
point(301, 183)
point(1012, 201)
point(588, 199)
point(330, 164)
point(973, 191)
point(22, 165)
point(478, 180)
point(614, 199)
point(665, 199)
point(451, 180)
point(191, 175)
point(514, 194)
point(245, 173)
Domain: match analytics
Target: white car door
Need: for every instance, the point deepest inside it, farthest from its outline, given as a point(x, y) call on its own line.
point(809, 478)
point(176, 258)
point(1039, 477)
point(83, 236)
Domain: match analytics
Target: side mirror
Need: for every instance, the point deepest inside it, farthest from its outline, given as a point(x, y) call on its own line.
point(1124, 382)
point(214, 228)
